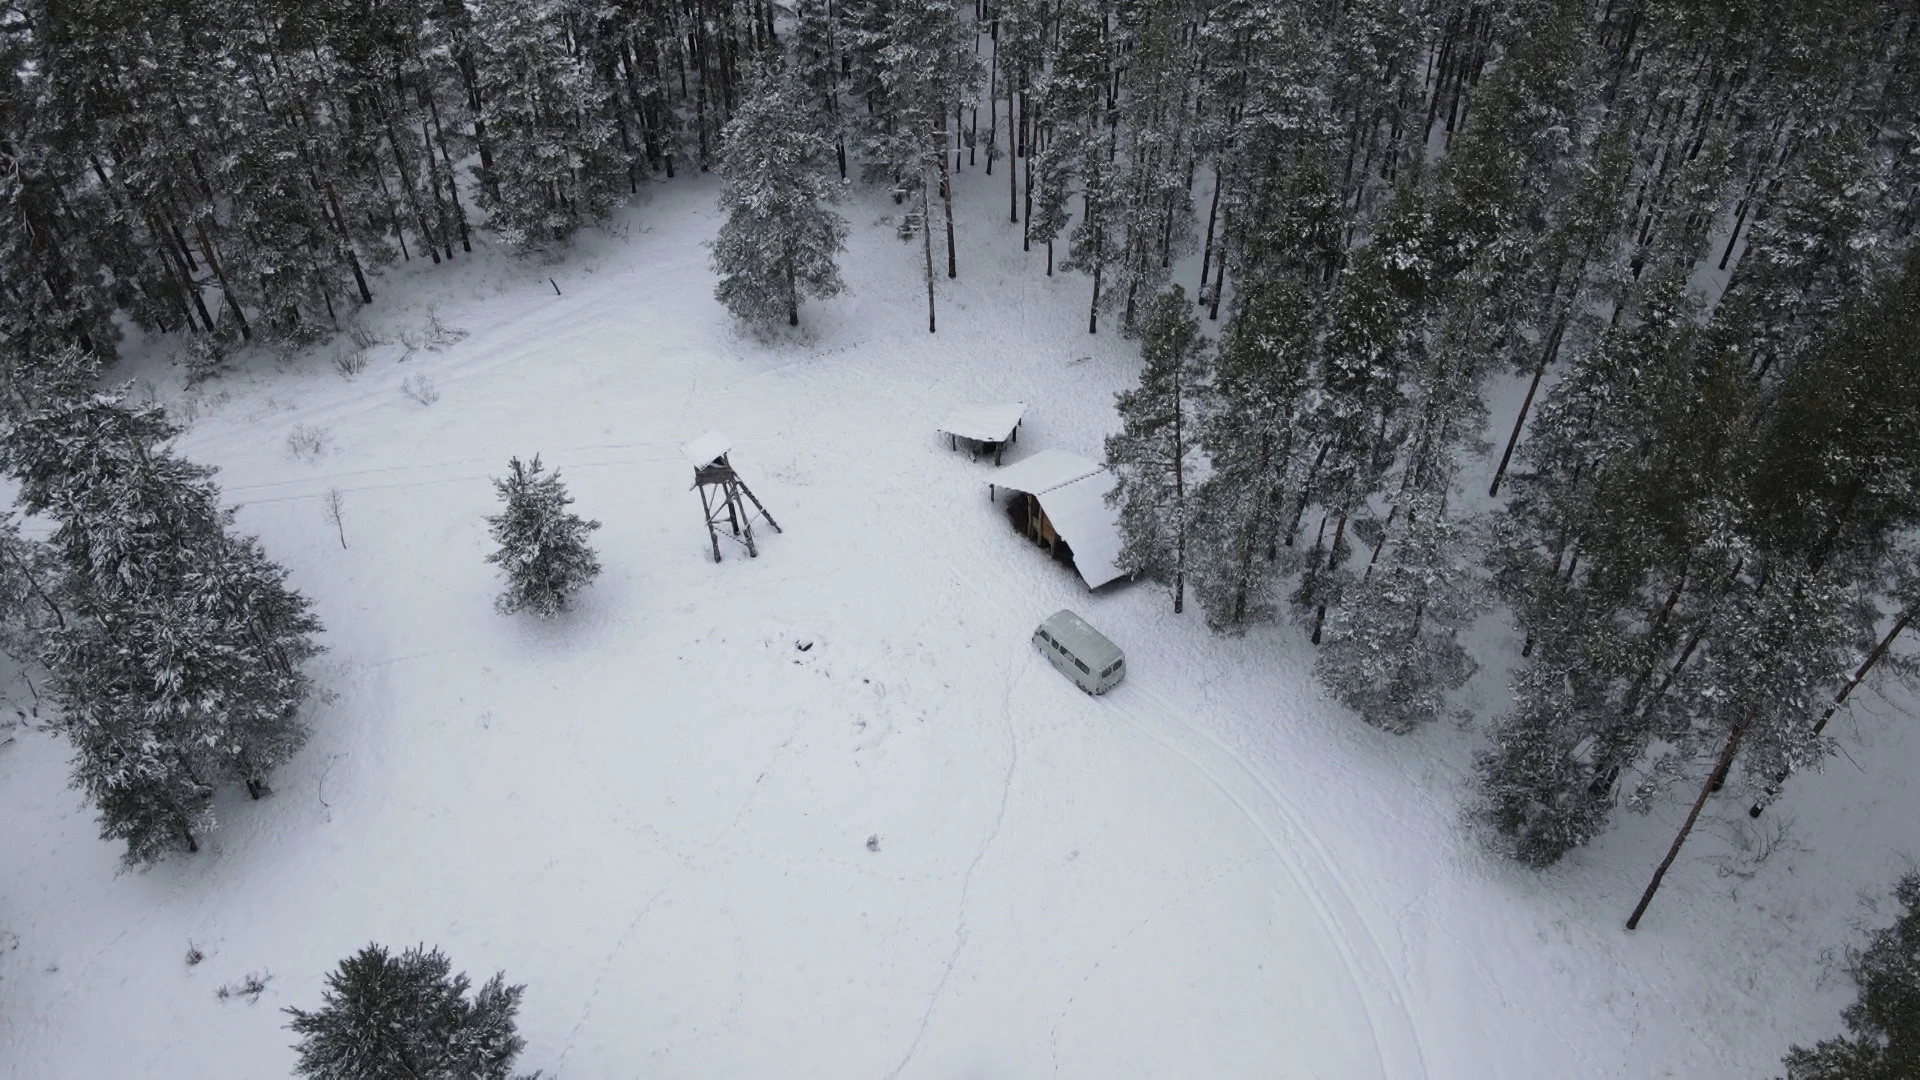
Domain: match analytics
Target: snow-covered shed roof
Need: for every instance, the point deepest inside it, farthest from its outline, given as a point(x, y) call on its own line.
point(984, 423)
point(703, 450)
point(1080, 514)
point(1045, 471)
point(1073, 493)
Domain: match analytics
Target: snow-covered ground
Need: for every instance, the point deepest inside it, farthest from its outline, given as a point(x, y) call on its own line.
point(655, 811)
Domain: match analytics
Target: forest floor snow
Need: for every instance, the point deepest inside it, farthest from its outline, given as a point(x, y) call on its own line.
point(655, 811)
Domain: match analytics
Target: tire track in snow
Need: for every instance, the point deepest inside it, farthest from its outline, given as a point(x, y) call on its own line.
point(1344, 927)
point(1053, 1034)
point(966, 882)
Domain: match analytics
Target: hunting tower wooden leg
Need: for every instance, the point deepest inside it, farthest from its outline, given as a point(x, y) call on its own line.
point(748, 492)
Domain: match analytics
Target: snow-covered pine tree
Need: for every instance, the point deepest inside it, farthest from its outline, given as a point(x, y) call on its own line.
point(1391, 650)
point(1155, 453)
point(543, 548)
point(1250, 433)
point(780, 238)
point(556, 165)
point(916, 61)
point(1882, 1041)
point(1068, 95)
point(29, 575)
point(177, 666)
point(384, 1016)
point(1077, 106)
point(1375, 331)
point(814, 56)
point(1154, 182)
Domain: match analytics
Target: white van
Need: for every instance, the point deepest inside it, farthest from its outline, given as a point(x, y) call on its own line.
point(1082, 653)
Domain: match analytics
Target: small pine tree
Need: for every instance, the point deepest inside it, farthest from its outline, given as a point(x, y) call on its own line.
point(385, 1016)
point(779, 239)
point(543, 548)
point(1154, 452)
point(1883, 1024)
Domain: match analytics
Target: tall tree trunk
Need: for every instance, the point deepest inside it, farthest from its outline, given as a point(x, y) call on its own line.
point(946, 196)
point(1093, 309)
point(1547, 355)
point(1714, 780)
point(1206, 249)
point(926, 234)
point(233, 302)
point(1219, 270)
point(1840, 699)
point(406, 180)
point(1179, 500)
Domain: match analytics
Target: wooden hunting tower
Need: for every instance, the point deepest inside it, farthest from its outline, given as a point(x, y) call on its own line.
point(723, 495)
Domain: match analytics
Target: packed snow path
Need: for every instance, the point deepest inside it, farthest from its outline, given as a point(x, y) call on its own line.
point(656, 811)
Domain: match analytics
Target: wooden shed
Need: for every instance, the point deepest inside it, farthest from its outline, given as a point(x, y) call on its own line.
point(1058, 500)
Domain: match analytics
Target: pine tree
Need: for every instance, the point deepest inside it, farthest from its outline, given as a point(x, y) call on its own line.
point(555, 165)
point(543, 548)
point(177, 666)
point(1154, 453)
point(916, 62)
point(384, 1016)
point(1883, 1024)
point(780, 239)
point(1154, 183)
point(1250, 432)
point(1391, 650)
point(29, 574)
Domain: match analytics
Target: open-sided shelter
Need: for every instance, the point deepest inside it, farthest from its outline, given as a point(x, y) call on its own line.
point(986, 428)
point(1059, 500)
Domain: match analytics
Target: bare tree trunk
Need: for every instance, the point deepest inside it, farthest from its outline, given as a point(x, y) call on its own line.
point(233, 302)
point(1714, 780)
point(1179, 500)
point(1219, 272)
point(1206, 249)
point(926, 230)
point(1093, 309)
point(1547, 354)
point(946, 196)
point(1027, 148)
point(1840, 699)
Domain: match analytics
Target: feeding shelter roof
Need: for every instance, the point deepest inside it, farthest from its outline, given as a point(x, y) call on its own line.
point(984, 423)
point(1045, 471)
point(1073, 493)
point(703, 450)
point(1080, 513)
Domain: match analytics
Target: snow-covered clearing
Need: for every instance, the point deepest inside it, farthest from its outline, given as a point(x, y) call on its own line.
point(655, 811)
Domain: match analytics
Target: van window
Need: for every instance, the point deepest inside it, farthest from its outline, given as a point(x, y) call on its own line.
point(1111, 668)
point(1084, 669)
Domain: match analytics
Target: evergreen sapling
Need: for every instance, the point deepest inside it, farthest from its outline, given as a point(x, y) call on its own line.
point(384, 1016)
point(543, 548)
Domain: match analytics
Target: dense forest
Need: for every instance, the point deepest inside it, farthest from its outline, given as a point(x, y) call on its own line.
point(1682, 225)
